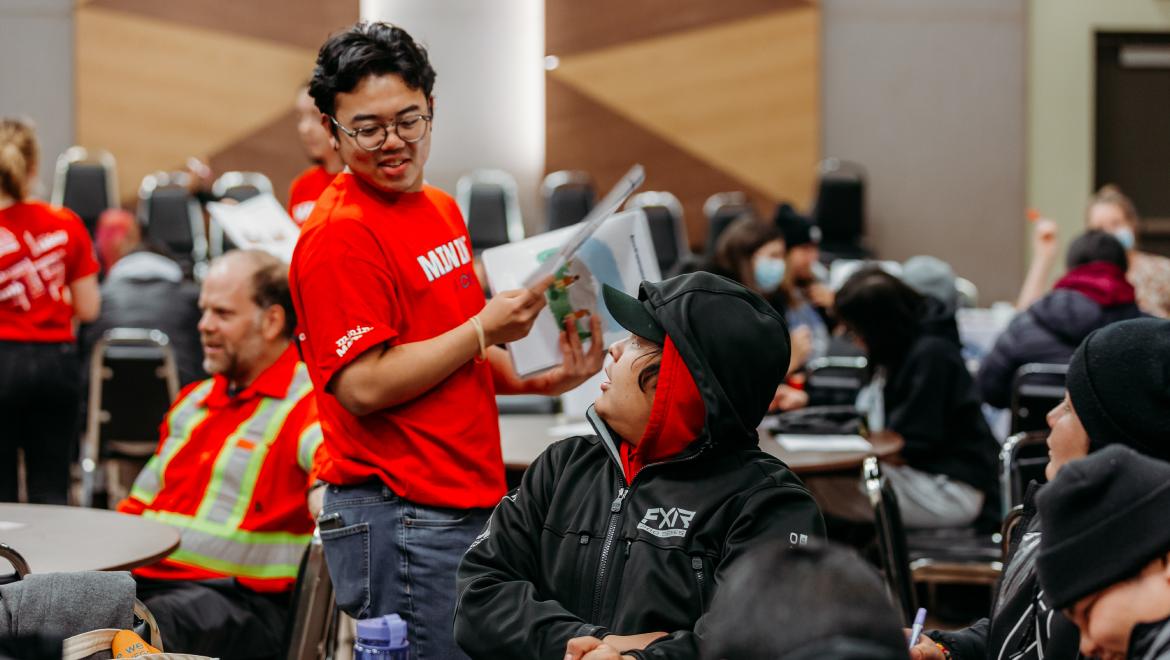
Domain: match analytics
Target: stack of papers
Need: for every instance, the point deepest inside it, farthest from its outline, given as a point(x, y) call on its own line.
point(796, 442)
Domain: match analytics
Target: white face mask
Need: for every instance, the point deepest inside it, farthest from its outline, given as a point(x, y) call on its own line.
point(1125, 237)
point(769, 273)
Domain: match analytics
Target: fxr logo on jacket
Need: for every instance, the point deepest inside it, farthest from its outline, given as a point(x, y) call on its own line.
point(669, 521)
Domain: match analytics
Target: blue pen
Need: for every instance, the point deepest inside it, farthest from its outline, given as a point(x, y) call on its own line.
point(916, 629)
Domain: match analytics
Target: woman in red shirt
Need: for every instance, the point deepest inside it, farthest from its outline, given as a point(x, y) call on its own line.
point(48, 276)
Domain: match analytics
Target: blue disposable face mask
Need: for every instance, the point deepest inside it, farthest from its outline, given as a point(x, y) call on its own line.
point(769, 273)
point(1125, 237)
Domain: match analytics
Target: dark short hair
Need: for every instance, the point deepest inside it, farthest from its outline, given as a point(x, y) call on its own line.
point(368, 49)
point(779, 601)
point(884, 311)
point(648, 376)
point(1096, 245)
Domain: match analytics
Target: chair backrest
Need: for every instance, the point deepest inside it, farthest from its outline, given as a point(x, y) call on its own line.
point(133, 381)
point(86, 182)
point(835, 380)
point(173, 218)
point(238, 186)
point(19, 564)
point(490, 207)
point(314, 623)
point(1036, 389)
point(1022, 459)
point(568, 197)
point(891, 538)
point(668, 230)
point(721, 210)
point(839, 209)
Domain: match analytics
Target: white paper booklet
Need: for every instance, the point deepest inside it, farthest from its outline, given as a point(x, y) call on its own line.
point(260, 223)
point(798, 442)
point(620, 254)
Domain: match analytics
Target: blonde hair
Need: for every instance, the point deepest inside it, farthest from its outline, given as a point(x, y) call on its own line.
point(18, 157)
point(1111, 194)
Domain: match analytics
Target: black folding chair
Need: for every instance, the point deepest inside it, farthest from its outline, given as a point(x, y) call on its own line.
point(721, 210)
point(891, 539)
point(835, 380)
point(86, 182)
point(173, 218)
point(668, 231)
point(490, 206)
point(568, 197)
point(133, 381)
point(839, 209)
point(313, 633)
point(1036, 389)
point(1022, 459)
point(238, 186)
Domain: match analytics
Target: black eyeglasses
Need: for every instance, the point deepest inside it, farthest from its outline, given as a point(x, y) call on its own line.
point(409, 129)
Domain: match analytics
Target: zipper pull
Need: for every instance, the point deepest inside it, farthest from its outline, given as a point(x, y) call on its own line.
point(584, 540)
point(616, 507)
point(628, 544)
point(696, 564)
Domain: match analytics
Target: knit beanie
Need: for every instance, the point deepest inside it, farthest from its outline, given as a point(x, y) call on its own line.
point(1119, 384)
point(1102, 519)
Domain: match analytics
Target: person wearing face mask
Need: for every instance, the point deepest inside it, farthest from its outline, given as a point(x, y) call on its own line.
point(1113, 212)
point(1118, 394)
point(614, 543)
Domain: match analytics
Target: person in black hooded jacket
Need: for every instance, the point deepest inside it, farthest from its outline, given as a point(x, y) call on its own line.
point(1092, 294)
point(614, 543)
point(949, 474)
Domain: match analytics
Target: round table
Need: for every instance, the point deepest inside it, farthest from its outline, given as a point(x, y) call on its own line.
point(523, 437)
point(68, 538)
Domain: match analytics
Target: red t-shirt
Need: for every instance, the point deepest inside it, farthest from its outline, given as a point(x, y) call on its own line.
point(43, 249)
point(305, 190)
point(371, 270)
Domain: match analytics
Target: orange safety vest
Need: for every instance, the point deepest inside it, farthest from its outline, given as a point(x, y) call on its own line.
point(232, 472)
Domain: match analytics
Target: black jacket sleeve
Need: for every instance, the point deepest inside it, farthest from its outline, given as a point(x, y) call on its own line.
point(965, 643)
point(917, 407)
point(499, 612)
point(786, 511)
point(998, 369)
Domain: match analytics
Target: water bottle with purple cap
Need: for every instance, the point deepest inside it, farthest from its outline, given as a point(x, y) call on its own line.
point(381, 638)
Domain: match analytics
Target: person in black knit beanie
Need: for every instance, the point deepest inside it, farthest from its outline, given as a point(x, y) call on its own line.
point(1118, 394)
point(1105, 552)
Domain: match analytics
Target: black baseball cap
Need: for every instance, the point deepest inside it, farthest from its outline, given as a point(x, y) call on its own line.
point(634, 315)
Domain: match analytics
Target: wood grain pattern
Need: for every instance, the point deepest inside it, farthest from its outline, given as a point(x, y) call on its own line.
point(742, 96)
point(582, 134)
point(573, 27)
point(298, 23)
point(154, 93)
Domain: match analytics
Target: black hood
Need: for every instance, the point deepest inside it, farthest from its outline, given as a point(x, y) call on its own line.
point(938, 319)
point(734, 343)
point(1071, 315)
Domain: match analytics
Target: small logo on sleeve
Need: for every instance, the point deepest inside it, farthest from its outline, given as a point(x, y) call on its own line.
point(672, 522)
point(349, 338)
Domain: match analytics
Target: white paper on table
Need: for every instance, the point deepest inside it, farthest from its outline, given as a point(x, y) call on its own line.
point(8, 526)
point(620, 254)
point(803, 442)
point(259, 223)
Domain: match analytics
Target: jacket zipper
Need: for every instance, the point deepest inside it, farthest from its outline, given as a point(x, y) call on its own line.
point(615, 509)
point(697, 567)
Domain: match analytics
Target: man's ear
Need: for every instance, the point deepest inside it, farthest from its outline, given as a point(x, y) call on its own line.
point(272, 323)
point(431, 106)
point(331, 129)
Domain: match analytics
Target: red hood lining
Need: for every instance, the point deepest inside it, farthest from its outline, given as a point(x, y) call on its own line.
point(677, 416)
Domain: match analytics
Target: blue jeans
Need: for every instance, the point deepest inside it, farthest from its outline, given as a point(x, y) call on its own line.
point(387, 555)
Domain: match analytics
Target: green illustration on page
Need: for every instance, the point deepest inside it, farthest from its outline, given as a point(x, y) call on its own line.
point(573, 294)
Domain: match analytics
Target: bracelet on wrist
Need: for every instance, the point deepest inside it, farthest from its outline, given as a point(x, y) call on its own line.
point(478, 325)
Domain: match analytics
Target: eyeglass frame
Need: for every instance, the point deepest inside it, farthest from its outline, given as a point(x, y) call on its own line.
point(392, 125)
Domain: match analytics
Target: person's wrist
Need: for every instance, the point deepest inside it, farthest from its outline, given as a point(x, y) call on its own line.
point(480, 338)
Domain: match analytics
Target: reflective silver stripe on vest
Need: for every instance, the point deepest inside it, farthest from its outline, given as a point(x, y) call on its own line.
point(310, 440)
point(234, 475)
point(179, 425)
point(237, 557)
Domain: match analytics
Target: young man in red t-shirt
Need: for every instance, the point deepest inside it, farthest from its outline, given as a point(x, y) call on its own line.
point(401, 346)
point(309, 185)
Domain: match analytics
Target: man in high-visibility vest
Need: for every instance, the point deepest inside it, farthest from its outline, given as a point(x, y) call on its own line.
point(232, 471)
